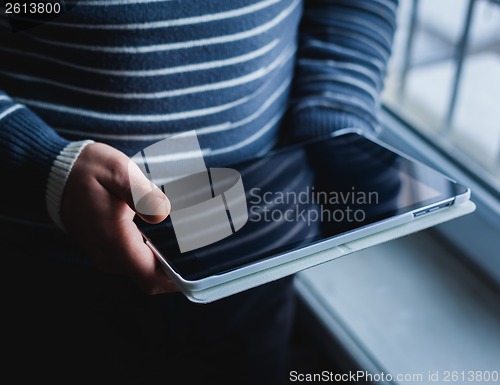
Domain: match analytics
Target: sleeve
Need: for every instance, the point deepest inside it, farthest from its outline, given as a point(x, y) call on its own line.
point(344, 48)
point(34, 164)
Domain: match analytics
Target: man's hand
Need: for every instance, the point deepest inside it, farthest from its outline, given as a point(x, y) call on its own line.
point(98, 210)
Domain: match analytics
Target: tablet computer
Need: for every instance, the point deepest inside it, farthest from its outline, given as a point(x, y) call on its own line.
point(299, 206)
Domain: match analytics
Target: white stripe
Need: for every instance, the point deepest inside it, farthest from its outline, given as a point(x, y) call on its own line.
point(182, 45)
point(345, 79)
point(260, 73)
point(264, 150)
point(269, 102)
point(175, 157)
point(176, 22)
point(371, 28)
point(274, 173)
point(10, 110)
point(133, 118)
point(171, 157)
point(248, 140)
point(359, 37)
point(4, 97)
point(347, 52)
point(291, 186)
point(335, 100)
point(161, 71)
point(142, 117)
point(209, 152)
point(199, 131)
point(353, 67)
point(114, 2)
point(298, 181)
point(58, 176)
point(256, 164)
point(341, 104)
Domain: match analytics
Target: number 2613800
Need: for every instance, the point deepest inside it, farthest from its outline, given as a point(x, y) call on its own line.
point(33, 8)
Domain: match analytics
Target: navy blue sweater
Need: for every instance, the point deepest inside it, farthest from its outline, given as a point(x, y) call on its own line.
point(242, 73)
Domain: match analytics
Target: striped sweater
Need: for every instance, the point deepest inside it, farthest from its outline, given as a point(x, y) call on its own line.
point(245, 74)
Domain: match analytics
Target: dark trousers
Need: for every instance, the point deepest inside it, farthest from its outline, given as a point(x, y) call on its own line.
point(69, 324)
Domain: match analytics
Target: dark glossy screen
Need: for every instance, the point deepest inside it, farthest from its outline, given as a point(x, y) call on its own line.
point(304, 194)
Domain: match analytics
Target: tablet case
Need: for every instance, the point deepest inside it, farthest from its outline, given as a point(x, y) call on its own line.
point(244, 283)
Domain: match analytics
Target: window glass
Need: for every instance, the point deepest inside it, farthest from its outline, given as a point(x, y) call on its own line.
point(444, 79)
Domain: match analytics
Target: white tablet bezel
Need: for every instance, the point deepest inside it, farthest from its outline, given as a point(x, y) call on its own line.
point(189, 286)
point(247, 280)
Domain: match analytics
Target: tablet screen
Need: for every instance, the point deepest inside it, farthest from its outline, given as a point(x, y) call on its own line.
point(304, 194)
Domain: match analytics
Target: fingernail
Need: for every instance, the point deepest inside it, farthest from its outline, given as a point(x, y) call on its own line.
point(154, 203)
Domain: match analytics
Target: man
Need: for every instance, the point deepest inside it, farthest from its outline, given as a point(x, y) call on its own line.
point(84, 91)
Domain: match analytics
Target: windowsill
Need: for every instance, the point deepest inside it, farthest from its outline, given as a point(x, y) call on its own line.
point(424, 302)
point(406, 306)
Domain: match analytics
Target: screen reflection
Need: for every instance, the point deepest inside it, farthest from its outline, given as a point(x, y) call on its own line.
point(304, 194)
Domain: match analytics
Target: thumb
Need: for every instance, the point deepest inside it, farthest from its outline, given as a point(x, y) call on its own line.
point(149, 202)
point(122, 177)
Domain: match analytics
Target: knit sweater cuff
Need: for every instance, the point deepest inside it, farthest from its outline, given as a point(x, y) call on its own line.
point(316, 122)
point(58, 176)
